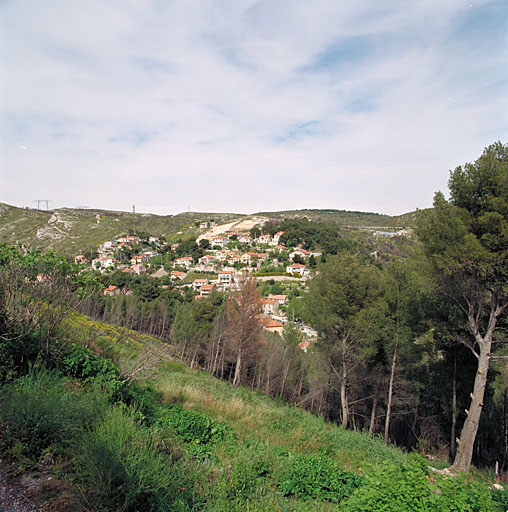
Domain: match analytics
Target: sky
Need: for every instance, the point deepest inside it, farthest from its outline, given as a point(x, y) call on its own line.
point(246, 106)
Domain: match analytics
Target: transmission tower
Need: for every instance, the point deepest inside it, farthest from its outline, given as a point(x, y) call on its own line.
point(41, 201)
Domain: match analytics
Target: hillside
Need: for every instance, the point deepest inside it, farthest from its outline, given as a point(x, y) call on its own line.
point(70, 231)
point(346, 218)
point(182, 440)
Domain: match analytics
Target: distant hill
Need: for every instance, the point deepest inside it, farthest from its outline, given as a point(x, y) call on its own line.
point(347, 218)
point(71, 231)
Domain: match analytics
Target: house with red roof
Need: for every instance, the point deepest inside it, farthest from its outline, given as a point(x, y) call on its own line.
point(112, 290)
point(297, 268)
point(177, 274)
point(270, 306)
point(271, 325)
point(184, 261)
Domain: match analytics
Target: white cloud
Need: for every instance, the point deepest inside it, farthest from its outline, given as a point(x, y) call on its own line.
point(244, 105)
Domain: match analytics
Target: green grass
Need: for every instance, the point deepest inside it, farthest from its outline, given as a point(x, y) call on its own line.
point(185, 441)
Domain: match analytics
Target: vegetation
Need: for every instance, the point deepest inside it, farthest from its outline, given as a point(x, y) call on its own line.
point(402, 341)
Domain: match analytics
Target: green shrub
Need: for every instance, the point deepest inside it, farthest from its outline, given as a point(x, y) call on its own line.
point(500, 499)
point(198, 430)
point(17, 354)
point(124, 470)
point(317, 476)
point(144, 399)
point(461, 494)
point(88, 367)
point(393, 488)
point(39, 413)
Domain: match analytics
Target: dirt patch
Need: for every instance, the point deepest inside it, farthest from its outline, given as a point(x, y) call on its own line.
point(236, 225)
point(34, 491)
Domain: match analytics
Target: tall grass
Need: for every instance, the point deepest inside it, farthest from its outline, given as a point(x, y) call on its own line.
point(125, 470)
point(41, 412)
point(252, 415)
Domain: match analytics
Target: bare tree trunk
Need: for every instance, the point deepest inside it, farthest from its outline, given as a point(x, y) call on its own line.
point(284, 377)
point(464, 454)
point(373, 416)
point(390, 393)
point(462, 461)
point(453, 434)
point(343, 393)
point(236, 379)
point(505, 430)
point(193, 359)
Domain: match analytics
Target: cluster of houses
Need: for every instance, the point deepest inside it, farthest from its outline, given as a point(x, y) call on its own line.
point(223, 240)
point(220, 260)
point(106, 255)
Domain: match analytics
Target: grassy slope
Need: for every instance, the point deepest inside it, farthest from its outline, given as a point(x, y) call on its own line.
point(251, 414)
point(70, 231)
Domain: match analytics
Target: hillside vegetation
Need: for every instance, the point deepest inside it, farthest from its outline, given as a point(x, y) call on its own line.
point(347, 218)
point(70, 231)
point(112, 422)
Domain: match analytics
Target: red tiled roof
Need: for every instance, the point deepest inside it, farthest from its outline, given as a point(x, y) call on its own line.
point(270, 322)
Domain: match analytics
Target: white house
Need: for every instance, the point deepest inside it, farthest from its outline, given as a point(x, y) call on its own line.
point(103, 263)
point(245, 239)
point(297, 268)
point(281, 299)
point(225, 278)
point(264, 239)
point(270, 306)
point(221, 241)
point(198, 283)
point(300, 252)
point(277, 236)
point(184, 261)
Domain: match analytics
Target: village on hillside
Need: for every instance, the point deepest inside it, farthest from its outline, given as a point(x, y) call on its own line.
point(217, 261)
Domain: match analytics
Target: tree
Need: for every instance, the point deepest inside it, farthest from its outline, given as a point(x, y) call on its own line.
point(243, 329)
point(343, 305)
point(466, 240)
point(204, 244)
point(255, 232)
point(404, 296)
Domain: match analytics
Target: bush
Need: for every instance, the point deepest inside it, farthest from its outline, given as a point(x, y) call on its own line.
point(500, 499)
point(461, 494)
point(83, 364)
point(37, 413)
point(124, 470)
point(88, 367)
point(317, 476)
point(198, 430)
point(391, 488)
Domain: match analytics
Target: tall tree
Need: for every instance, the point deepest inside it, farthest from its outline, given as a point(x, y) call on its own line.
point(243, 328)
point(466, 240)
point(404, 295)
point(343, 305)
